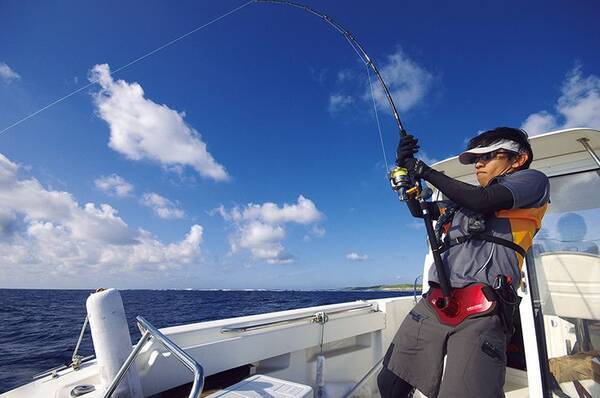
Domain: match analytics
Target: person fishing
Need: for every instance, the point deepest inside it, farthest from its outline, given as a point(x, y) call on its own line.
point(484, 233)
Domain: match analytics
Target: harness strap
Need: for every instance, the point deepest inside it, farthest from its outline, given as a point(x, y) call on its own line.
point(448, 243)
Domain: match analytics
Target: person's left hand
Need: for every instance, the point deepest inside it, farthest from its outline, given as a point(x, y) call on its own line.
point(416, 168)
point(407, 147)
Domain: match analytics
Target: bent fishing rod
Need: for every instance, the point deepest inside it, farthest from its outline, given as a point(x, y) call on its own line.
point(407, 186)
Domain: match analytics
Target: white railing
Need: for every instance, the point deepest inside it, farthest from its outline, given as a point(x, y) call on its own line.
point(150, 332)
point(308, 317)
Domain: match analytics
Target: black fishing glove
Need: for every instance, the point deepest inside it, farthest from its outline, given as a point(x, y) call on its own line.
point(416, 168)
point(407, 147)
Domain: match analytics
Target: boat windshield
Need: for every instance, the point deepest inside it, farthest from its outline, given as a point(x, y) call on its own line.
point(567, 273)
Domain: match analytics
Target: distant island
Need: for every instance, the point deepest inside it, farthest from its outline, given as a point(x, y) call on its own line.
point(402, 287)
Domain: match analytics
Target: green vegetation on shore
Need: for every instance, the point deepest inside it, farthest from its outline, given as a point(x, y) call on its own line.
point(402, 287)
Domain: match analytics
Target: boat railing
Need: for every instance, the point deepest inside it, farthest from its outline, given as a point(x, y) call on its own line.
point(417, 279)
point(301, 318)
point(150, 332)
point(76, 359)
point(53, 372)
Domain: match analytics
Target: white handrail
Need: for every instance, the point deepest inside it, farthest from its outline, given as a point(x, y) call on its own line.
point(311, 317)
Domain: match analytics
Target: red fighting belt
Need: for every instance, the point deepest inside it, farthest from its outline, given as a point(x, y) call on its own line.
point(473, 300)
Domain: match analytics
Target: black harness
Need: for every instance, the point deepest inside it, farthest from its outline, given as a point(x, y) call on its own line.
point(448, 243)
point(476, 230)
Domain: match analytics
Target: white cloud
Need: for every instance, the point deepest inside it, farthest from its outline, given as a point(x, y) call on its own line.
point(7, 74)
point(339, 102)
point(260, 228)
point(578, 106)
point(407, 81)
point(345, 75)
point(142, 129)
point(263, 241)
point(415, 224)
point(48, 231)
point(7, 222)
point(357, 257)
point(162, 207)
point(318, 231)
point(424, 156)
point(303, 212)
point(538, 123)
point(114, 185)
point(315, 232)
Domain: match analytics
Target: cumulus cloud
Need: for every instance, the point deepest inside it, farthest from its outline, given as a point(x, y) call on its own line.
point(142, 129)
point(303, 212)
point(345, 75)
point(424, 156)
point(407, 81)
point(577, 106)
point(114, 185)
point(318, 231)
point(339, 102)
point(48, 231)
point(161, 206)
point(357, 257)
point(7, 74)
point(260, 228)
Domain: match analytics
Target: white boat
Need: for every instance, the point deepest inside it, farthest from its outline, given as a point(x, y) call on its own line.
point(336, 350)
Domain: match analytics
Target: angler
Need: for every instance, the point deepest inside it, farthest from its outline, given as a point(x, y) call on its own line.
point(478, 245)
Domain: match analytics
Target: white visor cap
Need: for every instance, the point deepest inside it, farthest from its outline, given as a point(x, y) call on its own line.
point(468, 156)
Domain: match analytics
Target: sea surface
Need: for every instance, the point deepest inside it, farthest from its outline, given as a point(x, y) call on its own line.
point(39, 328)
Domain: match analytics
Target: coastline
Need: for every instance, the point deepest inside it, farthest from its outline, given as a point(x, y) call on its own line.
point(404, 287)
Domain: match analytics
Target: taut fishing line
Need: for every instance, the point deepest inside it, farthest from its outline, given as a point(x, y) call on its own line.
point(360, 52)
point(127, 65)
point(403, 182)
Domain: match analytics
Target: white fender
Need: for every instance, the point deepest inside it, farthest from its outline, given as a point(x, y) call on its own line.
point(320, 376)
point(112, 342)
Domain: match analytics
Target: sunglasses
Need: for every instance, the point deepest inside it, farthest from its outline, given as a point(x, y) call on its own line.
point(486, 157)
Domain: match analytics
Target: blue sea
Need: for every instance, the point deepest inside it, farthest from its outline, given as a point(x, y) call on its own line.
point(39, 328)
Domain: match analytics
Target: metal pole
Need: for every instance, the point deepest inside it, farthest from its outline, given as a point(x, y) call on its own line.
point(150, 331)
point(415, 287)
point(311, 317)
point(125, 367)
point(188, 361)
point(586, 144)
point(364, 379)
point(76, 358)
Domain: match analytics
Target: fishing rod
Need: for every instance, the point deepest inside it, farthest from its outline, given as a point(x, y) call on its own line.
point(354, 44)
point(407, 187)
point(404, 184)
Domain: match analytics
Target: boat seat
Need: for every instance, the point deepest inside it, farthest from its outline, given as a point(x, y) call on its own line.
point(259, 386)
point(569, 284)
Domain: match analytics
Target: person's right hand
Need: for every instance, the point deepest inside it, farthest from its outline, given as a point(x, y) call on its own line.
point(407, 147)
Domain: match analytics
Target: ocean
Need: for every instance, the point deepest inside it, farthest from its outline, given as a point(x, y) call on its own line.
point(39, 328)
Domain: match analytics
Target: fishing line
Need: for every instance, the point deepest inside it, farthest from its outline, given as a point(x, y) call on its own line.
point(364, 57)
point(140, 58)
point(387, 169)
point(354, 44)
point(358, 48)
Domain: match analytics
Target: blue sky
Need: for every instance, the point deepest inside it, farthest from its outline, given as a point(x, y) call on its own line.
point(247, 155)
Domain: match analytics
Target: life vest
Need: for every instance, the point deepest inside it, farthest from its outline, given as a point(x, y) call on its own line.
point(476, 299)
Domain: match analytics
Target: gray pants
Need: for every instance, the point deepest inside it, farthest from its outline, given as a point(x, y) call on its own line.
point(475, 354)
